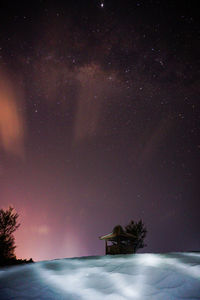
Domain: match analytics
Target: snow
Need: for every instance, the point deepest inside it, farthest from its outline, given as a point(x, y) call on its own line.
point(141, 276)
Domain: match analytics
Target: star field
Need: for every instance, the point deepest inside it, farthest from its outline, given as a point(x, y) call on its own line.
point(99, 123)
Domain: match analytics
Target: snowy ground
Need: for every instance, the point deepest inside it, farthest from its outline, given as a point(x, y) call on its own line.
point(141, 276)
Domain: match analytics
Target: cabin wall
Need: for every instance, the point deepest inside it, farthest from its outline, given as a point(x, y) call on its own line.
point(119, 249)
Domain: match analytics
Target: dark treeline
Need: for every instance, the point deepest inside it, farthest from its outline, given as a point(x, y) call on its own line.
point(8, 225)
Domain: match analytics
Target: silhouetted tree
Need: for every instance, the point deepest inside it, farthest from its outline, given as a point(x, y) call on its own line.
point(8, 225)
point(138, 230)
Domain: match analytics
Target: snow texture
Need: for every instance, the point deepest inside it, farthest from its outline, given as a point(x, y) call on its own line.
point(141, 276)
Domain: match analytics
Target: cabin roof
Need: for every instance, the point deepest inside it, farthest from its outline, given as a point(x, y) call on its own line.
point(117, 232)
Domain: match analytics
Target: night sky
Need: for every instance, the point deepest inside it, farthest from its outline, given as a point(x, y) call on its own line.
point(100, 123)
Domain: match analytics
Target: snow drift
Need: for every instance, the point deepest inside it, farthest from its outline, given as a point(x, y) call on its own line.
point(140, 276)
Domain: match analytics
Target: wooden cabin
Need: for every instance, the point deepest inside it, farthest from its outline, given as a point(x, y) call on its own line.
point(118, 241)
